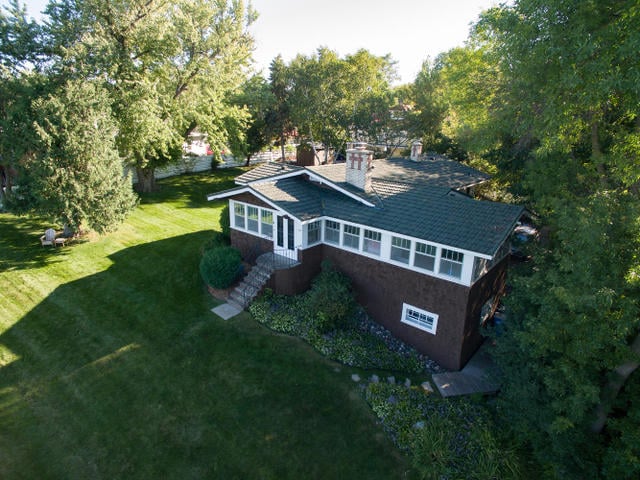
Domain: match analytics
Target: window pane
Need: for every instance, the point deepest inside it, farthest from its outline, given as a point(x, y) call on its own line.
point(252, 219)
point(451, 263)
point(238, 211)
point(425, 256)
point(371, 242)
point(266, 223)
point(351, 237)
point(418, 318)
point(313, 233)
point(400, 249)
point(331, 231)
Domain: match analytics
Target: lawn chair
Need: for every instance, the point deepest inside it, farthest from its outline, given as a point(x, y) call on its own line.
point(49, 238)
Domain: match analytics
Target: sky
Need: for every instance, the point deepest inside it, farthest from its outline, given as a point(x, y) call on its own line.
point(409, 30)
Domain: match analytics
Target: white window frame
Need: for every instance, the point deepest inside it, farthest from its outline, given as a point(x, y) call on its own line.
point(326, 227)
point(236, 215)
point(413, 316)
point(418, 254)
point(263, 223)
point(316, 228)
point(372, 242)
point(253, 221)
point(449, 260)
point(402, 248)
point(351, 233)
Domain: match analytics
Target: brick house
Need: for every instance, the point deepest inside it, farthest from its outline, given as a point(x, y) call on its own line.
point(426, 259)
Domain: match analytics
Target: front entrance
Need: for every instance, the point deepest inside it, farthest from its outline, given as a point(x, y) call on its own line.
point(285, 236)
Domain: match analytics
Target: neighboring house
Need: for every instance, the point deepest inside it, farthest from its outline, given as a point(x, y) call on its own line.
point(427, 261)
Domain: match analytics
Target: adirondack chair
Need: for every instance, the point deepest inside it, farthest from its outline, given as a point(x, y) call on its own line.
point(49, 238)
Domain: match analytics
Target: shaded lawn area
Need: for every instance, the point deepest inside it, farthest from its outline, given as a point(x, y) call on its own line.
point(113, 366)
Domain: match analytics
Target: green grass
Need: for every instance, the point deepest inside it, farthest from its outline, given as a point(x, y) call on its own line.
point(112, 365)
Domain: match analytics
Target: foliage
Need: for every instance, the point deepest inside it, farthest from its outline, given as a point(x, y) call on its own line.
point(347, 339)
point(331, 298)
point(220, 266)
point(569, 93)
point(76, 176)
point(257, 99)
point(445, 438)
point(334, 100)
point(225, 221)
point(169, 68)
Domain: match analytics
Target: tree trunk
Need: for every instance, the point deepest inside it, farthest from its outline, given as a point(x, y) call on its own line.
point(282, 145)
point(146, 179)
point(596, 152)
point(248, 161)
point(613, 387)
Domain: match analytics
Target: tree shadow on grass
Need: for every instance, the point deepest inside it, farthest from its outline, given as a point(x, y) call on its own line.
point(127, 374)
point(20, 245)
point(192, 188)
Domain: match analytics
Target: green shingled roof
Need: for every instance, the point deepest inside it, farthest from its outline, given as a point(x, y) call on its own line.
point(416, 199)
point(435, 214)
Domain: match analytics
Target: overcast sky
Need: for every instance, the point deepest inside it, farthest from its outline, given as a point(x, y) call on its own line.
point(409, 30)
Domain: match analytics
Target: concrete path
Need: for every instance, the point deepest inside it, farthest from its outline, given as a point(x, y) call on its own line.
point(471, 379)
point(226, 311)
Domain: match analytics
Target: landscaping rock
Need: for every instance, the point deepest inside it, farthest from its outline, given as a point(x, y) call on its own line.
point(375, 379)
point(391, 380)
point(355, 377)
point(426, 386)
point(407, 383)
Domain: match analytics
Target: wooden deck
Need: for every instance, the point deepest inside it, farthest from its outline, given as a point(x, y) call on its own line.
point(473, 378)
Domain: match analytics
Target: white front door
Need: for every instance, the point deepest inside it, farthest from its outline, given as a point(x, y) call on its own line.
point(285, 235)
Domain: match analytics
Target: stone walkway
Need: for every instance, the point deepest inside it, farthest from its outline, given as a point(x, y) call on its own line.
point(473, 378)
point(226, 311)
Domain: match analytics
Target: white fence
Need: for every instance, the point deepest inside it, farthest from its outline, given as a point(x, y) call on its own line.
point(191, 164)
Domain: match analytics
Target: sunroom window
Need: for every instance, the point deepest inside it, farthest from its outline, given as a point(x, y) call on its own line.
point(252, 219)
point(266, 220)
point(331, 232)
point(451, 263)
point(372, 241)
point(400, 249)
point(425, 256)
point(238, 215)
point(351, 237)
point(313, 233)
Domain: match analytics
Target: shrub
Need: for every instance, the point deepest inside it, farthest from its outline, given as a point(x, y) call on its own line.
point(225, 222)
point(331, 298)
point(220, 266)
point(217, 240)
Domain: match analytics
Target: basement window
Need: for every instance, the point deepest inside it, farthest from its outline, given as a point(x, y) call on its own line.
point(416, 317)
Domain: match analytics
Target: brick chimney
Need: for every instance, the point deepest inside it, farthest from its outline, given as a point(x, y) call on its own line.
point(416, 150)
point(358, 167)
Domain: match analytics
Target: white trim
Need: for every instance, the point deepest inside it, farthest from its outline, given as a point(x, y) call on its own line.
point(409, 311)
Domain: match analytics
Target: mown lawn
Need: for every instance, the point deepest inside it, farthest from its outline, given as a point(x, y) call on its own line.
point(112, 365)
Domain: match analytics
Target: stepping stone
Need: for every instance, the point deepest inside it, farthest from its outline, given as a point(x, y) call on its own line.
point(426, 386)
point(226, 311)
point(355, 377)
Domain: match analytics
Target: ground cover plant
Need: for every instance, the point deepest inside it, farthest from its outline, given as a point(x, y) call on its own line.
point(328, 318)
point(113, 366)
point(445, 438)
